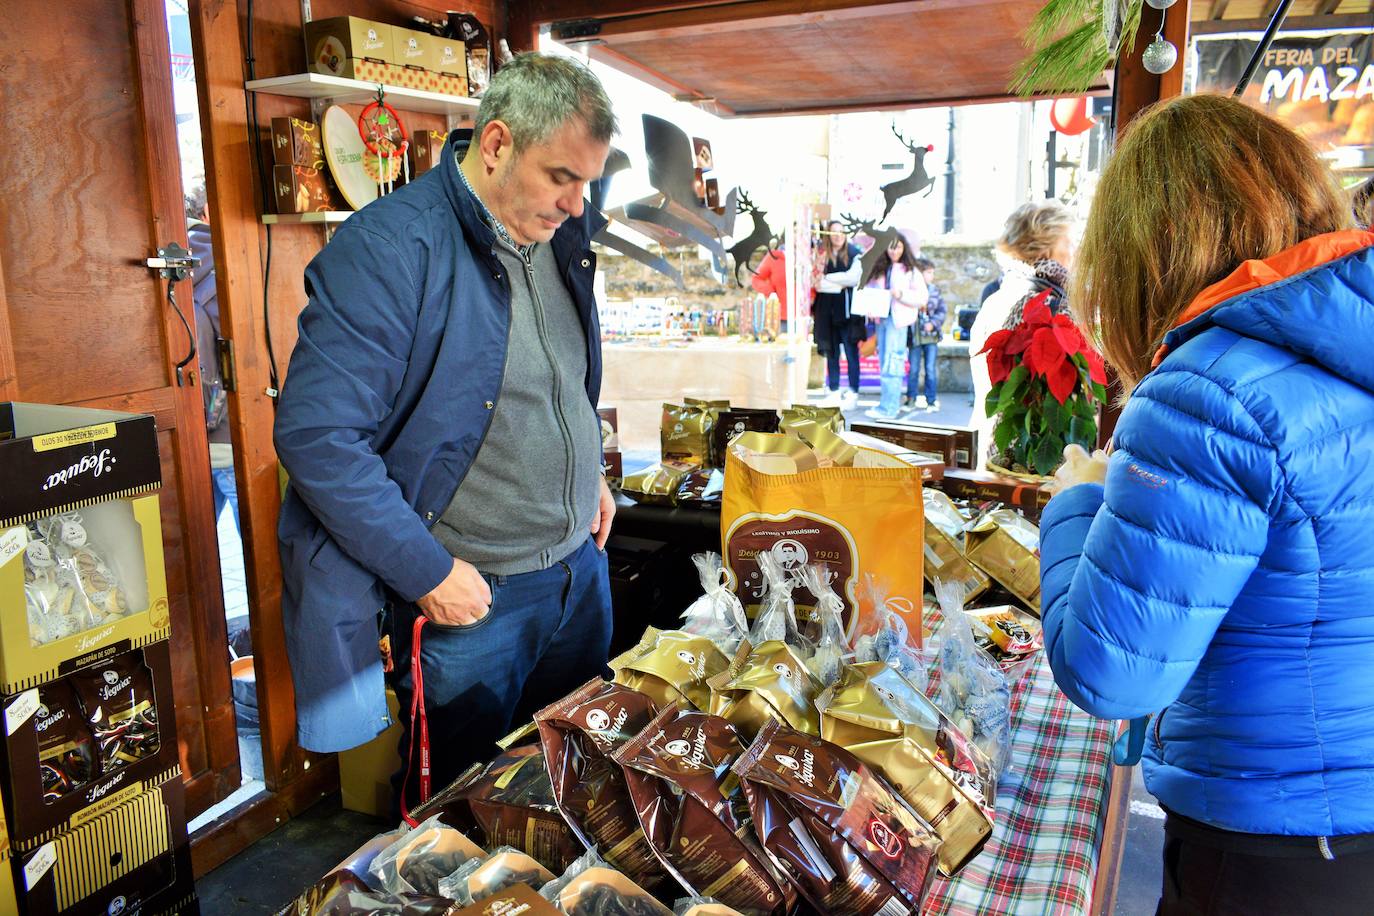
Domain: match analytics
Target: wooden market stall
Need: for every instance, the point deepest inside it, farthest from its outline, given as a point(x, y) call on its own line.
point(93, 189)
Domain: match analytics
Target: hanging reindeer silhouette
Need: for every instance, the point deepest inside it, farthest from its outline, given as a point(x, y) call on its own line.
point(918, 179)
point(881, 238)
point(758, 237)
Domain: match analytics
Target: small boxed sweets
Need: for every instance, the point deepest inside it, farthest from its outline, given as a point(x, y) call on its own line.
point(81, 566)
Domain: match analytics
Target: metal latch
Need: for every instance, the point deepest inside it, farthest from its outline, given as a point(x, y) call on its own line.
point(173, 263)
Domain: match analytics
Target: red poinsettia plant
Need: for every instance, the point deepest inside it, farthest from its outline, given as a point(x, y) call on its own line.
point(1047, 385)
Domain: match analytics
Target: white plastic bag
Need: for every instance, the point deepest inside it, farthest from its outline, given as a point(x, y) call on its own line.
point(974, 692)
point(717, 614)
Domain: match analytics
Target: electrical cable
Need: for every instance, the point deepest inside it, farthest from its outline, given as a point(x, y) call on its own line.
point(190, 334)
point(251, 103)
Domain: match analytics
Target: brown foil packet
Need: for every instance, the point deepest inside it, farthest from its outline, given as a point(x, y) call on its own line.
point(702, 487)
point(694, 813)
point(845, 839)
point(875, 714)
point(671, 668)
point(658, 484)
point(579, 733)
point(738, 420)
point(67, 755)
point(508, 802)
point(765, 683)
point(119, 704)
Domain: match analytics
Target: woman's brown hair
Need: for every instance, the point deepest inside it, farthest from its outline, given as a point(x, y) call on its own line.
point(1197, 186)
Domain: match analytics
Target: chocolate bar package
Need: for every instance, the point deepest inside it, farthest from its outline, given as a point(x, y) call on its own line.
point(671, 668)
point(119, 704)
point(701, 488)
point(1011, 636)
point(730, 423)
point(694, 813)
point(846, 841)
point(884, 721)
point(67, 754)
point(579, 733)
point(945, 540)
point(302, 189)
point(1007, 547)
point(296, 142)
point(516, 900)
point(508, 802)
point(426, 150)
point(765, 683)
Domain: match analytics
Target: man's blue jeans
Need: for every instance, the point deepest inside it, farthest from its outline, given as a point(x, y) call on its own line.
point(925, 355)
point(546, 634)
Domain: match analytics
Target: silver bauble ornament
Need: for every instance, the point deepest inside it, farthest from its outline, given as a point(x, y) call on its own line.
point(1160, 4)
point(1160, 56)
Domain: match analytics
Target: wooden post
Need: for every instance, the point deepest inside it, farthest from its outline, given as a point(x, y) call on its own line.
point(1136, 90)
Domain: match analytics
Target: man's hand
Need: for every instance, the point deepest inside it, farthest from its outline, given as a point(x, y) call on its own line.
point(601, 524)
point(1080, 467)
point(462, 598)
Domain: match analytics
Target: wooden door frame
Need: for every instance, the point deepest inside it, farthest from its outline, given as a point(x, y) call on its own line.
point(294, 778)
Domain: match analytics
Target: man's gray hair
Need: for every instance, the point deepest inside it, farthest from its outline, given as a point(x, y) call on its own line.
point(535, 94)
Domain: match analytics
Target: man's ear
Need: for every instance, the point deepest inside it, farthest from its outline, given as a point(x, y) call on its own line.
point(496, 144)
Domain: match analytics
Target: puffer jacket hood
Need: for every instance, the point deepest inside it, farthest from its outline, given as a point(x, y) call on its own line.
point(1313, 299)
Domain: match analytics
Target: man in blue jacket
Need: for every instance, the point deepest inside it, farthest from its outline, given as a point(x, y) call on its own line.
point(439, 427)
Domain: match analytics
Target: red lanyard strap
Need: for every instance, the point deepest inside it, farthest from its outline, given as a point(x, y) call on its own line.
point(419, 723)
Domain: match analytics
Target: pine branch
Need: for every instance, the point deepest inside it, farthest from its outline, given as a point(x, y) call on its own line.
point(1070, 63)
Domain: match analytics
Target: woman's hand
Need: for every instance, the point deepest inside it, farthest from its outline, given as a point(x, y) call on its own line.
point(1080, 467)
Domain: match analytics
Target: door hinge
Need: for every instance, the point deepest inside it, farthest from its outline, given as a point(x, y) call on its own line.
point(224, 352)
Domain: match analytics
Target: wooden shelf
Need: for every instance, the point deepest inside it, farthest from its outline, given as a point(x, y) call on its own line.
point(296, 219)
point(343, 91)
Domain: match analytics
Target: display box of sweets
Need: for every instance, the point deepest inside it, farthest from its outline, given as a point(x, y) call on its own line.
point(135, 858)
point(85, 743)
point(81, 564)
point(350, 47)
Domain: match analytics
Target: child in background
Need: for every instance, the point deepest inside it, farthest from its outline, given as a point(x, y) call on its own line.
point(925, 337)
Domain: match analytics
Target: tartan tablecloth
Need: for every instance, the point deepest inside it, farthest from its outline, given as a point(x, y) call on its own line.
point(1042, 857)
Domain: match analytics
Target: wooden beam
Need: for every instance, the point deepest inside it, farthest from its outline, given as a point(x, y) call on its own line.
point(1326, 7)
point(1115, 819)
point(239, 828)
point(229, 155)
point(1267, 11)
point(1291, 24)
point(754, 15)
point(9, 376)
point(1218, 9)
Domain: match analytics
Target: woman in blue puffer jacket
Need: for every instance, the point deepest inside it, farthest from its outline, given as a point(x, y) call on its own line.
point(1221, 577)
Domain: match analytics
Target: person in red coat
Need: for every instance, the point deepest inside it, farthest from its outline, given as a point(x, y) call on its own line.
point(771, 277)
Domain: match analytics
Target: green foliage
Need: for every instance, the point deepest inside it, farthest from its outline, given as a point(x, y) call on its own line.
point(1068, 46)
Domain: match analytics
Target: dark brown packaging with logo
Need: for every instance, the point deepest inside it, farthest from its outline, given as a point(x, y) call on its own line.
point(296, 142)
point(730, 423)
point(517, 900)
point(67, 756)
point(579, 733)
point(121, 709)
point(303, 189)
point(694, 813)
point(845, 839)
point(508, 802)
point(426, 148)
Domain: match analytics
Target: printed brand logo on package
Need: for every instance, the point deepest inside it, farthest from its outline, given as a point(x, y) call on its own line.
point(95, 465)
point(117, 906)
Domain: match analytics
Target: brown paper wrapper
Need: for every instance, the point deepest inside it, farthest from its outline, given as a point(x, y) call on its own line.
point(694, 813)
point(1007, 548)
point(843, 837)
point(671, 668)
point(875, 714)
point(579, 734)
point(765, 683)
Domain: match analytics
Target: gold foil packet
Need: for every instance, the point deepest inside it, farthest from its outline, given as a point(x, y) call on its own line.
point(656, 485)
point(1007, 547)
point(685, 433)
point(875, 714)
point(671, 668)
point(831, 417)
point(944, 546)
point(763, 683)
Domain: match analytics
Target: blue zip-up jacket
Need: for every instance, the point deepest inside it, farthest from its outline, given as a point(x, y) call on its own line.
point(387, 399)
point(1224, 577)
